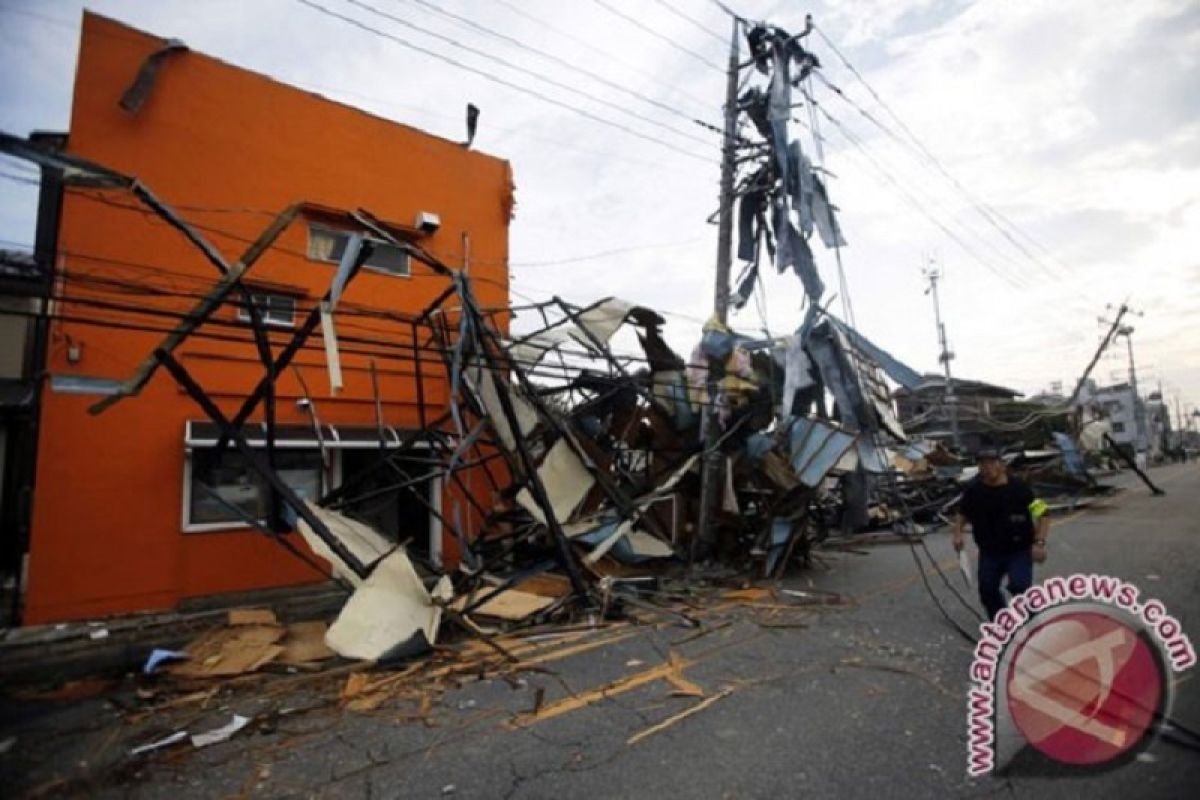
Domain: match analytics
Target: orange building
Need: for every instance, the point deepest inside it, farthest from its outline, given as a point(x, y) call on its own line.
point(120, 521)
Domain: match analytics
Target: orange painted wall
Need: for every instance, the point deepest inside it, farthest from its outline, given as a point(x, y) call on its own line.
point(107, 528)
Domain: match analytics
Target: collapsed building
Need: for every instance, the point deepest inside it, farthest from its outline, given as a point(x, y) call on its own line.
point(558, 460)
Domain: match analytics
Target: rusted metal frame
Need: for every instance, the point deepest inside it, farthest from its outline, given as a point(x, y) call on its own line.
point(334, 495)
point(528, 468)
point(1132, 464)
point(513, 581)
point(265, 385)
point(378, 406)
point(261, 341)
point(558, 351)
point(100, 177)
point(647, 392)
point(624, 505)
point(441, 329)
point(375, 226)
point(515, 539)
point(410, 487)
point(416, 349)
point(565, 429)
point(197, 393)
point(382, 490)
point(203, 309)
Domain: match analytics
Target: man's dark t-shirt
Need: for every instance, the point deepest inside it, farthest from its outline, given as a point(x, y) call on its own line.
point(999, 515)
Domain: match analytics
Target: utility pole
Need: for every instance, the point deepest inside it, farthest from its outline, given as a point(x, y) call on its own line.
point(1178, 422)
point(944, 357)
point(1108, 337)
point(710, 478)
point(1139, 409)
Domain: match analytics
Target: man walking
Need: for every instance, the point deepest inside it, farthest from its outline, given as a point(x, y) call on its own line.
point(1009, 526)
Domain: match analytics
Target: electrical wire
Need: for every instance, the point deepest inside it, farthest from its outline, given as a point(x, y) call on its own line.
point(692, 21)
point(562, 62)
point(634, 21)
point(583, 112)
point(914, 201)
point(993, 216)
point(607, 155)
point(536, 75)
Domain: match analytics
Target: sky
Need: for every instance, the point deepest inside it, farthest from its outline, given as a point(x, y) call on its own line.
point(1045, 155)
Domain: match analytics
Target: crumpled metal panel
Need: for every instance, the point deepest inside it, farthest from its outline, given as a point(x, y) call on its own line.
point(816, 448)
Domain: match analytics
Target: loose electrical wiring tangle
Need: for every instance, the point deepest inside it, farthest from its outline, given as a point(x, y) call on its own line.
point(398, 352)
point(94, 197)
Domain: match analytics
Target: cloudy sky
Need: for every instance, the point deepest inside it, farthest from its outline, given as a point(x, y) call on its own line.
point(1072, 124)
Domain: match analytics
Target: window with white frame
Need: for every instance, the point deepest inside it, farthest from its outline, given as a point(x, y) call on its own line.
point(328, 244)
point(223, 491)
point(273, 309)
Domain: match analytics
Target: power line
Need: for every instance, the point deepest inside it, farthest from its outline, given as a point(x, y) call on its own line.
point(317, 88)
point(604, 254)
point(571, 37)
point(992, 215)
point(668, 40)
point(25, 179)
point(917, 186)
point(93, 197)
point(692, 21)
point(496, 79)
point(466, 22)
point(522, 70)
point(974, 203)
point(916, 204)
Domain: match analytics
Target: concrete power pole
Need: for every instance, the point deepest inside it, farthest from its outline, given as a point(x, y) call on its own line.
point(710, 478)
point(1139, 409)
point(945, 356)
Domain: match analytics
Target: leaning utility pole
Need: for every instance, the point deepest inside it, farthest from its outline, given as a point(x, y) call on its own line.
point(710, 478)
point(1139, 409)
point(1108, 337)
point(945, 356)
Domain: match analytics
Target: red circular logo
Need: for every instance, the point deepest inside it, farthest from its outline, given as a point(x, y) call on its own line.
point(1085, 687)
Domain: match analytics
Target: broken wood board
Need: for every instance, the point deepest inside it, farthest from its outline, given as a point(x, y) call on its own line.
point(511, 604)
point(753, 594)
point(224, 652)
point(304, 643)
point(669, 721)
point(587, 698)
point(252, 616)
point(682, 687)
point(548, 584)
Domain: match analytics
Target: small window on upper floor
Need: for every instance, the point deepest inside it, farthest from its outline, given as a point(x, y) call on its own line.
point(274, 309)
point(328, 244)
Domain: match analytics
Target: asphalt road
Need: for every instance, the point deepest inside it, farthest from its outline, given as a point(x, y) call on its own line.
point(866, 698)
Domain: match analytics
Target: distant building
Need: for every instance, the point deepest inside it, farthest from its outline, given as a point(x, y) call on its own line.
point(1158, 425)
point(923, 411)
point(1119, 406)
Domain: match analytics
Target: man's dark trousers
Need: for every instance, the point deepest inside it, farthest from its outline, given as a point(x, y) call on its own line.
point(993, 567)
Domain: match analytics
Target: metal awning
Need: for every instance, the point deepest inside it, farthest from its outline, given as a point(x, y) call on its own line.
point(345, 437)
